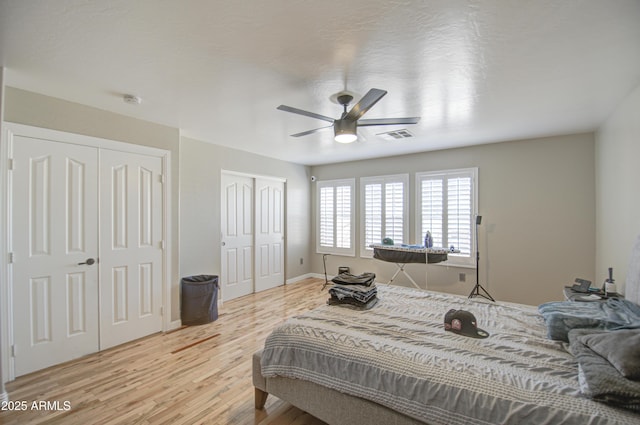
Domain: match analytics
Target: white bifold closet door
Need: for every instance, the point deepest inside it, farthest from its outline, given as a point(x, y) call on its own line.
point(55, 229)
point(252, 224)
point(237, 236)
point(130, 247)
point(87, 247)
point(269, 234)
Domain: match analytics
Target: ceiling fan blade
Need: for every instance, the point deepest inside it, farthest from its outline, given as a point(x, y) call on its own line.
point(304, 133)
point(388, 121)
point(303, 112)
point(367, 101)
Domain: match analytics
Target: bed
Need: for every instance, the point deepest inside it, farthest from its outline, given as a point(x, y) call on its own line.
point(395, 364)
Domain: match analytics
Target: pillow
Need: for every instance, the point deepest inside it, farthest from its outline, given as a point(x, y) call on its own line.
point(598, 379)
point(621, 348)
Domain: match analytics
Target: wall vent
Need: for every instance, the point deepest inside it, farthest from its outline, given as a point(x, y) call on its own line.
point(395, 135)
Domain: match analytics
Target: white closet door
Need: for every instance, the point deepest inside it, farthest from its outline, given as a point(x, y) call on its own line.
point(131, 247)
point(237, 236)
point(55, 226)
point(269, 235)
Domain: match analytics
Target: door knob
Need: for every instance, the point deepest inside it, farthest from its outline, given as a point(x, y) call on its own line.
point(88, 262)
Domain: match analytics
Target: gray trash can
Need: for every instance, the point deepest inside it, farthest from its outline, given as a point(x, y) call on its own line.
point(199, 299)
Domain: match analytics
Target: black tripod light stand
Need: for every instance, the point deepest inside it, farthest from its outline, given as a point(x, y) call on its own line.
point(475, 292)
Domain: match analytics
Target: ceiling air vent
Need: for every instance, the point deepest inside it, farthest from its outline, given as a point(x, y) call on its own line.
point(395, 135)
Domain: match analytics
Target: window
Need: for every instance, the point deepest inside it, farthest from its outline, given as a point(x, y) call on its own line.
point(383, 209)
point(447, 206)
point(335, 232)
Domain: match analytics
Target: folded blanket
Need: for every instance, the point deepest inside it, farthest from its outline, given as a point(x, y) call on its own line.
point(599, 379)
point(561, 317)
point(365, 279)
point(357, 292)
point(353, 303)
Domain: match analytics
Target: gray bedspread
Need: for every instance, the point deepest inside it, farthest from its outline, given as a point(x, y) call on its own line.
point(397, 354)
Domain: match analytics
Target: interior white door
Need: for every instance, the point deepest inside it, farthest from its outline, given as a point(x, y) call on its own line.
point(131, 246)
point(269, 234)
point(237, 236)
point(55, 225)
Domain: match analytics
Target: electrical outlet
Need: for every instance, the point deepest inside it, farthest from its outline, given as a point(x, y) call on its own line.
point(462, 277)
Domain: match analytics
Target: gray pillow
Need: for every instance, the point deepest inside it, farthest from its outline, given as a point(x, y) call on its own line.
point(621, 348)
point(599, 380)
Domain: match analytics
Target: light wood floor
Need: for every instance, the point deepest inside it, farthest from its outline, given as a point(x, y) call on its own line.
point(142, 382)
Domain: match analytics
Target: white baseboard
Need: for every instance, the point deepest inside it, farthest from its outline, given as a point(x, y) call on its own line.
point(173, 325)
point(307, 276)
point(4, 397)
point(298, 278)
point(302, 277)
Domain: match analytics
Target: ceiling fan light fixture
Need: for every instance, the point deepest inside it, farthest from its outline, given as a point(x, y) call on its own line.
point(345, 131)
point(346, 138)
point(345, 127)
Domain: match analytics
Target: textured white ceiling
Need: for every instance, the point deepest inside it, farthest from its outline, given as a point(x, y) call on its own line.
point(475, 71)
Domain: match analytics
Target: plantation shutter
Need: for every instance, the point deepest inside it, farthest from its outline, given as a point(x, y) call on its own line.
point(394, 211)
point(384, 210)
point(459, 213)
point(326, 217)
point(343, 217)
point(373, 213)
point(447, 206)
point(432, 195)
point(335, 217)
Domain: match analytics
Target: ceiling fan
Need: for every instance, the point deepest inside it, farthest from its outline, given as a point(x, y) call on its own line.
point(345, 127)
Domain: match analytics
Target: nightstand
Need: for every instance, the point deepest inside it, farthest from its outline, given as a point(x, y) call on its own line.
point(571, 295)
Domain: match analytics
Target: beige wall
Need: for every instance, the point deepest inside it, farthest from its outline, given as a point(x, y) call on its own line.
point(201, 164)
point(617, 182)
point(537, 199)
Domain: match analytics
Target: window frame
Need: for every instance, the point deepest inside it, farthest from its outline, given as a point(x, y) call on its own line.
point(365, 251)
point(320, 249)
point(455, 260)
